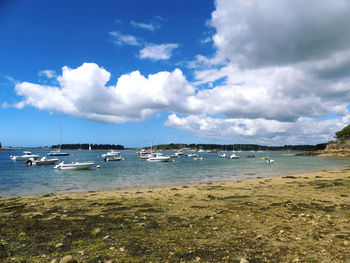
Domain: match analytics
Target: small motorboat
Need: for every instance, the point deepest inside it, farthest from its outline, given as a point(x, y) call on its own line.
point(74, 166)
point(192, 155)
point(57, 153)
point(42, 161)
point(234, 156)
point(111, 153)
point(198, 158)
point(26, 156)
point(158, 158)
point(113, 158)
point(223, 155)
point(268, 160)
point(146, 155)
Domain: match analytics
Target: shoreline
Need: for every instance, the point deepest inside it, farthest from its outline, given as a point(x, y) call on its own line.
point(292, 218)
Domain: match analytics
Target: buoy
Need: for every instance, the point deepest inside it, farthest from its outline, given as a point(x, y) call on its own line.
point(98, 166)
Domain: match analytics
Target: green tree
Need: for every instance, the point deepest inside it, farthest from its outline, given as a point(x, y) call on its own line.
point(343, 134)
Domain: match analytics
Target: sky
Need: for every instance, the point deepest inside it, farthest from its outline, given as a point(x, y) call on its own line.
point(268, 72)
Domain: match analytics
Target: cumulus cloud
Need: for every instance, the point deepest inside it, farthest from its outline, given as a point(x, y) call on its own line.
point(279, 67)
point(278, 61)
point(124, 39)
point(82, 93)
point(158, 52)
point(259, 131)
point(278, 32)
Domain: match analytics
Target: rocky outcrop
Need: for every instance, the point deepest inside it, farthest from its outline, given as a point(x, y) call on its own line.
point(343, 146)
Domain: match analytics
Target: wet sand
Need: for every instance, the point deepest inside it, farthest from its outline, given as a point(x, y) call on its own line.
point(301, 218)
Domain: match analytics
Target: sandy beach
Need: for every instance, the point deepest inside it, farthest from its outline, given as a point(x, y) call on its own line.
point(301, 218)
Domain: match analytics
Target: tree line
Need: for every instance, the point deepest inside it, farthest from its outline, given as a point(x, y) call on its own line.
point(240, 147)
point(85, 146)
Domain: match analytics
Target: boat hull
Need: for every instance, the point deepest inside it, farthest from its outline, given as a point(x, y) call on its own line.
point(41, 162)
point(158, 159)
point(58, 154)
point(74, 166)
point(113, 159)
point(22, 158)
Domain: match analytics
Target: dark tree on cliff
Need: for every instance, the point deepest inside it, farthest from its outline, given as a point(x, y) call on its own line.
point(343, 134)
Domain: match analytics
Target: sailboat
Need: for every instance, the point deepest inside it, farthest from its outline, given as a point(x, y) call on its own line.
point(58, 152)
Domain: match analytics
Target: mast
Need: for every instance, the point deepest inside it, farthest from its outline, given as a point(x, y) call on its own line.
point(59, 146)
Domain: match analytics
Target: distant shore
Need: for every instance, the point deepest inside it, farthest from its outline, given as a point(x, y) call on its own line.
point(301, 218)
point(329, 154)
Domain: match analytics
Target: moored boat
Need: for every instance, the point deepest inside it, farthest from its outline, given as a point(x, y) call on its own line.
point(111, 153)
point(233, 156)
point(74, 166)
point(42, 161)
point(158, 158)
point(26, 156)
point(57, 153)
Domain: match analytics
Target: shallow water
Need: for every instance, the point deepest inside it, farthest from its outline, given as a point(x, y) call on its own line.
point(18, 179)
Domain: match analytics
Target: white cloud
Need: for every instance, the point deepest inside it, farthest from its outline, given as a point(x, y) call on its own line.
point(147, 26)
point(260, 131)
point(50, 74)
point(279, 66)
point(158, 52)
point(277, 32)
point(122, 39)
point(83, 93)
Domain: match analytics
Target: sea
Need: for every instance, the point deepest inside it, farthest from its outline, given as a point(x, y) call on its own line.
point(18, 179)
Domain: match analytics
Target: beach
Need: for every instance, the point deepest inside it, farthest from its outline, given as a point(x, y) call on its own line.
point(292, 218)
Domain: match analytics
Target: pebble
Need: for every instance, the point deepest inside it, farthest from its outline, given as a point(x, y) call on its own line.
point(59, 245)
point(68, 259)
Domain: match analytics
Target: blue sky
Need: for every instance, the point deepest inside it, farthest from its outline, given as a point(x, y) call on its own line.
point(132, 72)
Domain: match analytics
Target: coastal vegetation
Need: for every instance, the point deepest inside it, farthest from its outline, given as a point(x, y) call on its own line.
point(342, 141)
point(85, 146)
point(240, 147)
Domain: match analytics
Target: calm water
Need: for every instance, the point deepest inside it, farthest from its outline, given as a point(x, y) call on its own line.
point(18, 179)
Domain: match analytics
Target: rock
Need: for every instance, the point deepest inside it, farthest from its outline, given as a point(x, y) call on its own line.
point(59, 245)
point(243, 260)
point(53, 261)
point(68, 259)
point(122, 249)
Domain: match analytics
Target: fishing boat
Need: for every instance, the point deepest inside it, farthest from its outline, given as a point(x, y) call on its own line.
point(158, 158)
point(42, 161)
point(26, 156)
point(74, 166)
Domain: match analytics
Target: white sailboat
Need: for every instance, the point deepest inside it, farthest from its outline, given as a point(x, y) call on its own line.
point(58, 152)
